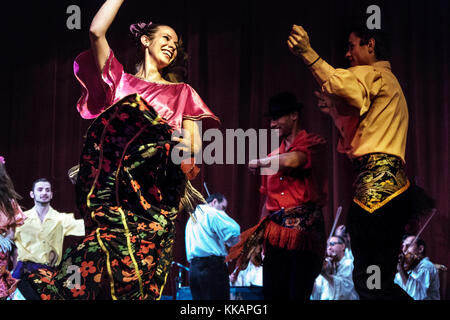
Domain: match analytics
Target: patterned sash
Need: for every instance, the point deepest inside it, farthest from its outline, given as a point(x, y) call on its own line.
point(381, 178)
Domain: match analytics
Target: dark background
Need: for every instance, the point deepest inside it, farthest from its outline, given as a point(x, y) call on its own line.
point(238, 59)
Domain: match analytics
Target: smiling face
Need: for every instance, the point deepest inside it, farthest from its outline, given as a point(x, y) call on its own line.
point(162, 46)
point(42, 192)
point(284, 124)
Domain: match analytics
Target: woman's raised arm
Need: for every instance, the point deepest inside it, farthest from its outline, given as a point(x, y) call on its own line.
point(97, 31)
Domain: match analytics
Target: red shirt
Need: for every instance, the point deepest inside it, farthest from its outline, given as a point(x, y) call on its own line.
point(302, 185)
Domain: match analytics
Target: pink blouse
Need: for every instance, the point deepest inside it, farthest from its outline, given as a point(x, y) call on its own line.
point(174, 102)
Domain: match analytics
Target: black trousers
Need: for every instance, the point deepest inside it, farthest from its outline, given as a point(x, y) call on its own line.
point(376, 242)
point(208, 279)
point(289, 274)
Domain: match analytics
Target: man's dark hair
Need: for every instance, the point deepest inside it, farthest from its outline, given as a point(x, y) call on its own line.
point(341, 239)
point(419, 242)
point(39, 180)
point(220, 197)
point(382, 44)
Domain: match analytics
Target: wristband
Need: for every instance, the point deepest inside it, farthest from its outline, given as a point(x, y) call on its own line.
point(309, 66)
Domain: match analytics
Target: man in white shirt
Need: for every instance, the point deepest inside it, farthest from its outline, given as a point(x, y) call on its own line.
point(335, 281)
point(342, 232)
point(416, 274)
point(208, 233)
point(40, 239)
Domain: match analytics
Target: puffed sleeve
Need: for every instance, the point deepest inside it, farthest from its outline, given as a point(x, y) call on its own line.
point(72, 226)
point(97, 91)
point(309, 144)
point(4, 222)
point(357, 86)
point(196, 109)
point(7, 223)
point(19, 216)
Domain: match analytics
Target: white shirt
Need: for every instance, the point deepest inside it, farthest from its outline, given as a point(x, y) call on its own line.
point(340, 287)
point(208, 235)
point(348, 254)
point(251, 276)
point(423, 281)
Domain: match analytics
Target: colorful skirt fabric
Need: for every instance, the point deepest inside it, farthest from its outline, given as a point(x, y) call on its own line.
point(381, 178)
point(7, 282)
point(129, 191)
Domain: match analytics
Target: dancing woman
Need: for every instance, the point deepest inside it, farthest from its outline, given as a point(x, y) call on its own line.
point(127, 186)
point(11, 216)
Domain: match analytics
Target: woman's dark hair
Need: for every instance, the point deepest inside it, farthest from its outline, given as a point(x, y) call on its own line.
point(176, 71)
point(382, 45)
point(7, 193)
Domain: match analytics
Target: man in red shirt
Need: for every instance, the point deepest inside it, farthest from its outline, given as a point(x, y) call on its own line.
point(291, 228)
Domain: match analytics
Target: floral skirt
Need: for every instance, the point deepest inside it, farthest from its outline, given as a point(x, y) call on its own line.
point(129, 192)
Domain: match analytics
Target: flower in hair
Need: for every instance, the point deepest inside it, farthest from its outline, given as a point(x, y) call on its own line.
point(2, 160)
point(137, 28)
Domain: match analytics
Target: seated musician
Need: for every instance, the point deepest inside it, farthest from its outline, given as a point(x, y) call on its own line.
point(416, 274)
point(335, 281)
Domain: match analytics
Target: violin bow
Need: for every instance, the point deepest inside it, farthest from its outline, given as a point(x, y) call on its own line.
point(424, 225)
point(206, 188)
point(338, 214)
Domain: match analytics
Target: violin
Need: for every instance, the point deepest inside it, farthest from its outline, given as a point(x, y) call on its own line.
point(330, 265)
point(409, 261)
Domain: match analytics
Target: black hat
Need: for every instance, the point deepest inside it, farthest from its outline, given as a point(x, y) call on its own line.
point(282, 104)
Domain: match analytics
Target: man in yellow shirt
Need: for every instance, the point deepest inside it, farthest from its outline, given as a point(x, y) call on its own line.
point(40, 240)
point(370, 111)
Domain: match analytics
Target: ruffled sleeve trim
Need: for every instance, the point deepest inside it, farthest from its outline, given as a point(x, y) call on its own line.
point(97, 92)
point(195, 109)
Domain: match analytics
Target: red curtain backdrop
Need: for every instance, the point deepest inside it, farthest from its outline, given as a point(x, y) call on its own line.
point(238, 59)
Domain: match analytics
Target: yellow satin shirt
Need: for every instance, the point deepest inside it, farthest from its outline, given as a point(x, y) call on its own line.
point(35, 240)
point(369, 110)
